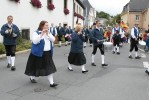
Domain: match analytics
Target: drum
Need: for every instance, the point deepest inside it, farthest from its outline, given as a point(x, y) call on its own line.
point(142, 44)
point(108, 46)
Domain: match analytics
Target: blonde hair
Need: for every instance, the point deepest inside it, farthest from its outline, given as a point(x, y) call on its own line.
point(78, 27)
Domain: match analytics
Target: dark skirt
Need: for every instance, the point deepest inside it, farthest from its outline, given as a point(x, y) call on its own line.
point(77, 59)
point(40, 66)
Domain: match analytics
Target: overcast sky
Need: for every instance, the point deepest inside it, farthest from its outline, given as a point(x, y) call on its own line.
point(112, 7)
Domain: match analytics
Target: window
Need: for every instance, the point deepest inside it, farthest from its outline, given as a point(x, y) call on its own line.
point(74, 7)
point(137, 17)
point(49, 1)
point(65, 4)
point(77, 8)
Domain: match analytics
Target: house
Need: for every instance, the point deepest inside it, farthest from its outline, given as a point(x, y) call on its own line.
point(89, 13)
point(79, 12)
point(136, 11)
point(27, 17)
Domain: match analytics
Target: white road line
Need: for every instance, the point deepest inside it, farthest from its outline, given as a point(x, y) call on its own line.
point(143, 55)
point(146, 64)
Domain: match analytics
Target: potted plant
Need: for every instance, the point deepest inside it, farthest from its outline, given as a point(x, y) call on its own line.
point(36, 3)
point(51, 6)
point(66, 11)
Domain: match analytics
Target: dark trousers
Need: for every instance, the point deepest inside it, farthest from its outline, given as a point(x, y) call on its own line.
point(86, 39)
point(10, 50)
point(117, 43)
point(101, 48)
point(133, 45)
point(90, 41)
point(59, 37)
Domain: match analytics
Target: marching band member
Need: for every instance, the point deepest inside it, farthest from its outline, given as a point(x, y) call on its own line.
point(98, 39)
point(40, 61)
point(116, 40)
point(134, 41)
point(76, 55)
point(10, 33)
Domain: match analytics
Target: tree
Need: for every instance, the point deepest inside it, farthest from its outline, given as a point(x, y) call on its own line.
point(116, 19)
point(104, 15)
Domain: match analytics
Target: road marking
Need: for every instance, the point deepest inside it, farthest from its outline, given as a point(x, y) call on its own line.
point(146, 64)
point(143, 55)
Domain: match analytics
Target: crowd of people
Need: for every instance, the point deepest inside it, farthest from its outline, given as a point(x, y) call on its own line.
point(40, 61)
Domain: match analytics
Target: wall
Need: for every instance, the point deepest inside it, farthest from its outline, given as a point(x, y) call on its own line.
point(27, 16)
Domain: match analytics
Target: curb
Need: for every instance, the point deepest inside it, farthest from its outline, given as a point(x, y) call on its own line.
point(21, 52)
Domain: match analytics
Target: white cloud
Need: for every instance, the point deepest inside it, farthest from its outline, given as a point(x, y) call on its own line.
point(112, 7)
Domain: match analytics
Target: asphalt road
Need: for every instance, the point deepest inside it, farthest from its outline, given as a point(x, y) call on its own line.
point(123, 79)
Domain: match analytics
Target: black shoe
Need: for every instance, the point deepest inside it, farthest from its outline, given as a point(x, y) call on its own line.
point(9, 65)
point(130, 57)
point(70, 69)
point(118, 53)
point(113, 52)
point(137, 57)
point(104, 64)
point(53, 85)
point(93, 64)
point(84, 46)
point(33, 80)
point(13, 68)
point(90, 45)
point(147, 72)
point(84, 71)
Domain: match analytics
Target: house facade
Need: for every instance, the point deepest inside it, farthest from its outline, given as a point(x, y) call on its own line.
point(78, 12)
point(136, 11)
point(89, 13)
point(27, 17)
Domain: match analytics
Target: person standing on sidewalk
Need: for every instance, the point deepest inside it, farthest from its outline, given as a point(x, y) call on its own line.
point(10, 33)
point(98, 39)
point(134, 41)
point(40, 61)
point(76, 55)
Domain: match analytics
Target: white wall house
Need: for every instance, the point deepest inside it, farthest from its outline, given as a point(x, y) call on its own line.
point(28, 17)
point(79, 9)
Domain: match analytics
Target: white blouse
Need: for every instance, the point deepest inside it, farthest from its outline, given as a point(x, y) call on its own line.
point(47, 38)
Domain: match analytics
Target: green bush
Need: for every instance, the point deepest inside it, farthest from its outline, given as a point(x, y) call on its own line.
point(2, 48)
point(24, 46)
point(20, 39)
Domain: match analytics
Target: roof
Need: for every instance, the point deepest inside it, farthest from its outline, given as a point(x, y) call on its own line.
point(81, 4)
point(138, 5)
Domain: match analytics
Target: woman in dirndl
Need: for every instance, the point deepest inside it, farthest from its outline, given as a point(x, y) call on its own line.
point(76, 55)
point(40, 61)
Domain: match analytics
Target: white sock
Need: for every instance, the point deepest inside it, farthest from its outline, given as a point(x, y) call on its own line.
point(66, 42)
point(85, 44)
point(136, 54)
point(12, 61)
point(9, 59)
point(69, 66)
point(118, 49)
point(148, 69)
point(102, 59)
point(114, 48)
point(60, 43)
point(93, 58)
point(129, 53)
point(83, 68)
point(50, 78)
point(32, 77)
